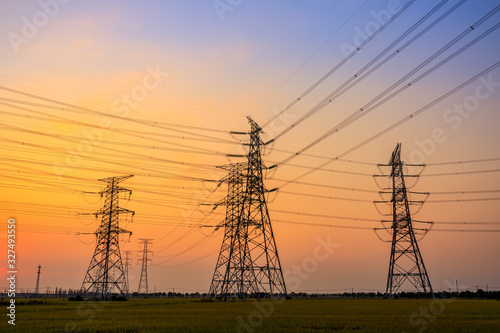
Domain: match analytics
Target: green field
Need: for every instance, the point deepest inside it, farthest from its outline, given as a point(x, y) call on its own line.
point(296, 315)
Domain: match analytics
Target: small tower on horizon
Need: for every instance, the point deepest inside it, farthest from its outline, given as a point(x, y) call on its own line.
point(143, 282)
point(37, 280)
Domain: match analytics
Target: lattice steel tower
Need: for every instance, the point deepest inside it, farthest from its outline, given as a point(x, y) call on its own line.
point(37, 280)
point(406, 262)
point(249, 249)
point(233, 276)
point(105, 274)
point(126, 264)
point(143, 282)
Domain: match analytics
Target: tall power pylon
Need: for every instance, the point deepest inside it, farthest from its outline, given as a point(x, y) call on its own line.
point(143, 283)
point(406, 262)
point(253, 266)
point(37, 280)
point(126, 264)
point(233, 276)
point(105, 274)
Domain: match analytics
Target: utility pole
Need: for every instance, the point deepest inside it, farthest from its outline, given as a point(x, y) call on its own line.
point(99, 280)
point(143, 283)
point(406, 262)
point(37, 281)
point(126, 264)
point(252, 265)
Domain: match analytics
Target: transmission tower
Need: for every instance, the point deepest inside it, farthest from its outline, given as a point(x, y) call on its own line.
point(406, 262)
point(105, 274)
point(250, 256)
point(126, 264)
point(143, 283)
point(233, 275)
point(37, 280)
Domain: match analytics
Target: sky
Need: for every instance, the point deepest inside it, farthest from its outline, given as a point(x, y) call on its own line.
point(92, 89)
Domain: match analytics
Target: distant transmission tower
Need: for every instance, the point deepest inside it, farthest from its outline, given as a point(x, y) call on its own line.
point(37, 280)
point(406, 262)
point(251, 257)
point(126, 264)
point(105, 274)
point(143, 283)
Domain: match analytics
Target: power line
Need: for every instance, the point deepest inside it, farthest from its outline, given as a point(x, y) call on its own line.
point(382, 98)
point(461, 173)
point(98, 79)
point(74, 108)
point(464, 200)
point(100, 170)
point(325, 186)
point(309, 59)
point(371, 228)
point(139, 134)
point(105, 94)
point(137, 164)
point(54, 136)
point(371, 201)
point(398, 123)
point(341, 63)
point(358, 77)
point(466, 192)
point(72, 138)
point(465, 161)
point(45, 147)
point(456, 222)
point(375, 163)
point(324, 196)
point(324, 216)
point(328, 170)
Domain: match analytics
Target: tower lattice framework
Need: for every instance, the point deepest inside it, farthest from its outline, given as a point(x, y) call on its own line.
point(249, 249)
point(143, 282)
point(231, 278)
point(105, 274)
point(406, 263)
point(126, 265)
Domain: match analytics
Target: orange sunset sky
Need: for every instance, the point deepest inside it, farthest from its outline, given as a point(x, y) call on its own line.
point(92, 89)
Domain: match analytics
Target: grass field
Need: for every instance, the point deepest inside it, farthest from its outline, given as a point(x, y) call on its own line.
point(296, 315)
